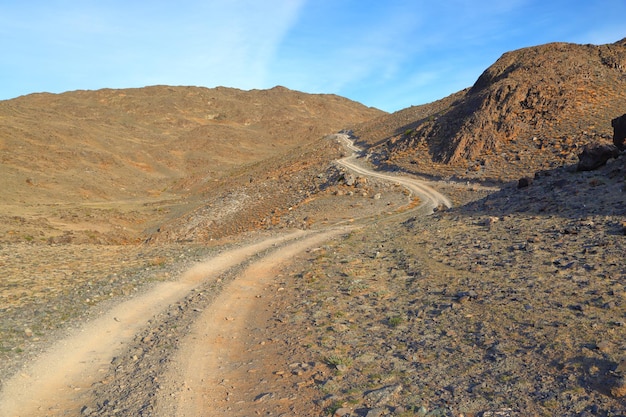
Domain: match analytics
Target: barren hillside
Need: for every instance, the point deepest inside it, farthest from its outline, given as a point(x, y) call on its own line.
point(534, 108)
point(111, 165)
point(267, 278)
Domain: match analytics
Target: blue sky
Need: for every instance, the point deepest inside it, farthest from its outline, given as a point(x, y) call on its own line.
point(387, 54)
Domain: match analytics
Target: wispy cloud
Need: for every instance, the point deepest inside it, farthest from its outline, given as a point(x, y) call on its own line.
point(386, 54)
point(113, 44)
point(332, 48)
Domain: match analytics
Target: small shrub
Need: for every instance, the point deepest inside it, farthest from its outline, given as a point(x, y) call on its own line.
point(336, 360)
point(395, 321)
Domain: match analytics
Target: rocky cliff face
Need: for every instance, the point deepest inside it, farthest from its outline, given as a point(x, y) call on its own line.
point(550, 99)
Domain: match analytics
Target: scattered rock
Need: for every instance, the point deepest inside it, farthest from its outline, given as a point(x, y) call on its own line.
point(618, 390)
point(375, 412)
point(489, 221)
point(524, 182)
point(604, 346)
point(505, 412)
point(383, 395)
point(465, 296)
point(343, 412)
point(262, 397)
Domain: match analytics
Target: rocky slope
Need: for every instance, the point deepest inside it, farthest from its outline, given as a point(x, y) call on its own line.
point(510, 304)
point(534, 108)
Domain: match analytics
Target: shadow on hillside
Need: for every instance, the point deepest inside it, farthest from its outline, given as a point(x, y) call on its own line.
point(449, 177)
point(562, 192)
point(382, 165)
point(451, 109)
point(402, 132)
point(596, 374)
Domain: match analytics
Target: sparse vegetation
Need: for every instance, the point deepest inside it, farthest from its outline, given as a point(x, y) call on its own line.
point(337, 361)
point(512, 299)
point(395, 321)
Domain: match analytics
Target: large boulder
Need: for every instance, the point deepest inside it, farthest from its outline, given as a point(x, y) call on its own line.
point(619, 132)
point(593, 157)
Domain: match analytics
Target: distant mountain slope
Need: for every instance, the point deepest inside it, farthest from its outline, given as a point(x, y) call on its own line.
point(111, 144)
point(115, 165)
point(533, 107)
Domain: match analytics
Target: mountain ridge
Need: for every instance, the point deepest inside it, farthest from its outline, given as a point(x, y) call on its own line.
point(533, 108)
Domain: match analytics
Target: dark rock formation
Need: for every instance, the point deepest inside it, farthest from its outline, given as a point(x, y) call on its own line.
point(593, 157)
point(619, 132)
point(533, 109)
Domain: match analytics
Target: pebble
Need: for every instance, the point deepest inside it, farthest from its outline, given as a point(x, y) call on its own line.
point(618, 390)
point(604, 346)
point(262, 397)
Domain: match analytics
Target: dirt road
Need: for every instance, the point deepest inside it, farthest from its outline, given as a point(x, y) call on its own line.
point(429, 197)
point(55, 382)
point(217, 350)
point(60, 382)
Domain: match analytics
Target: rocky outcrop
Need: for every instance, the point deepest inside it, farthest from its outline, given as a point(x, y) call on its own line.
point(545, 91)
point(533, 108)
point(524, 182)
point(619, 132)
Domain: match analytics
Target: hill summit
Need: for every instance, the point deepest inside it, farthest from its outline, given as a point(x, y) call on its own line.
point(532, 109)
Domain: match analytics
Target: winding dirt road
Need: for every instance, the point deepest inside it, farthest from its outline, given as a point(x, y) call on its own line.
point(60, 381)
point(429, 197)
point(217, 354)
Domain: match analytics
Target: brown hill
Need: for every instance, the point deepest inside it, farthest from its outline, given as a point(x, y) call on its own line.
point(532, 109)
point(94, 161)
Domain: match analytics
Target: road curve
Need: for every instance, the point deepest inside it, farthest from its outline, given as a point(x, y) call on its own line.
point(429, 197)
point(52, 383)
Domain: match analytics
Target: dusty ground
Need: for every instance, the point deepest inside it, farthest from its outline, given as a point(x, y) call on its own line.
point(153, 239)
point(511, 303)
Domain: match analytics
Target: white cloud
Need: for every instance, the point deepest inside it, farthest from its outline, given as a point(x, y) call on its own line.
point(94, 45)
point(333, 50)
point(214, 43)
point(240, 40)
